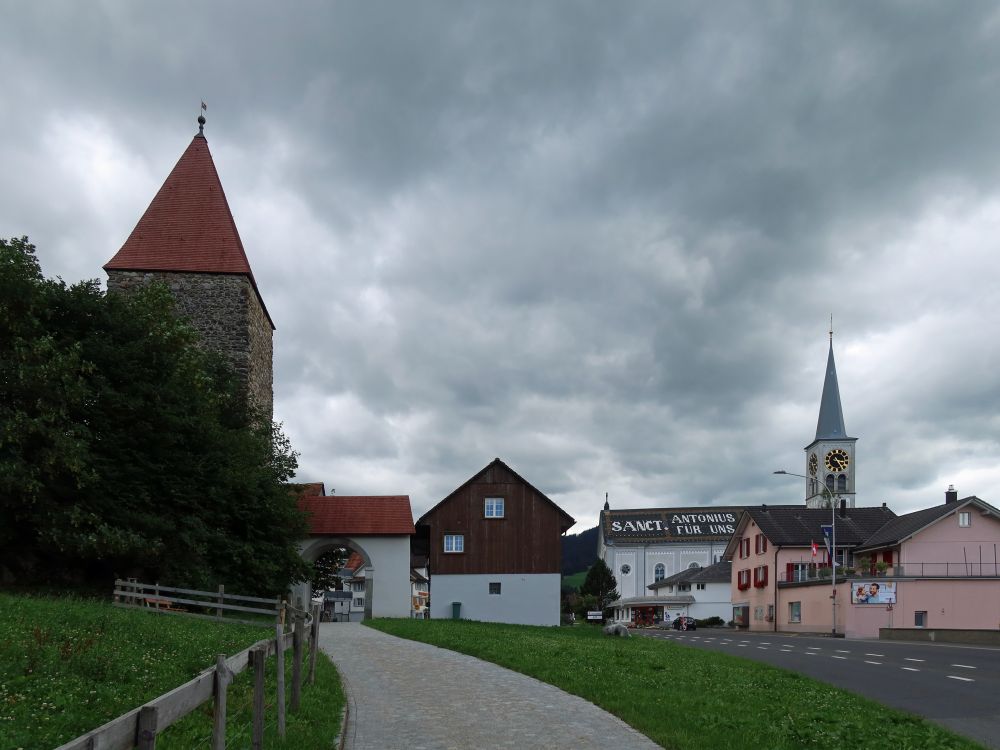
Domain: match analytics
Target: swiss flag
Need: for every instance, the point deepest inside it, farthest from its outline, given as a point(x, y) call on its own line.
point(815, 549)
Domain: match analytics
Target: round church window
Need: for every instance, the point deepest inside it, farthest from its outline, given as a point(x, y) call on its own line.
point(626, 569)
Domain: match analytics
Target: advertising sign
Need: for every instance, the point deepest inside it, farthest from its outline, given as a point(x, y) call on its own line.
point(873, 592)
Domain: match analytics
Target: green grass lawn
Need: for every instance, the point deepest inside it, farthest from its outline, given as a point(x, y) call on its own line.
point(69, 665)
point(681, 697)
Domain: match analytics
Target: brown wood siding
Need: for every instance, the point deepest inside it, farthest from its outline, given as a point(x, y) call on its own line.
point(525, 540)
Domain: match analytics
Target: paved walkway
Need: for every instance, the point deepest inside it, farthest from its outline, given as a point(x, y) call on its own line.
point(404, 694)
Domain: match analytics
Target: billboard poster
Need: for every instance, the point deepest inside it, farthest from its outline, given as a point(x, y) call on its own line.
point(873, 592)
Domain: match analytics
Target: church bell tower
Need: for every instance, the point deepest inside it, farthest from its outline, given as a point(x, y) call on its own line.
point(830, 457)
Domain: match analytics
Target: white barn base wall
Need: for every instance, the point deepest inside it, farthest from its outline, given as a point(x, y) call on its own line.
point(524, 599)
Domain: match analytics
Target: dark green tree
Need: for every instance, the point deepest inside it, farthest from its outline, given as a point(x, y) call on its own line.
point(600, 584)
point(325, 570)
point(127, 449)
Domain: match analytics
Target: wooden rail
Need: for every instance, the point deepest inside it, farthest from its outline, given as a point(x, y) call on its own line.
point(173, 600)
point(140, 726)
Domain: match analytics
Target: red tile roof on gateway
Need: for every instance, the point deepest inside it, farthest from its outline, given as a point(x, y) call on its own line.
point(359, 515)
point(188, 227)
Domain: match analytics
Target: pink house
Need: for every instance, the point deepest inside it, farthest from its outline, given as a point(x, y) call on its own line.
point(933, 568)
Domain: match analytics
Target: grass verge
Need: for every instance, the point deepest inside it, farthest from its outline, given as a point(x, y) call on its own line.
point(69, 665)
point(682, 697)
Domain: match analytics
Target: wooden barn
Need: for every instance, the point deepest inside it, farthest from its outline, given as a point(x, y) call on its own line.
point(494, 547)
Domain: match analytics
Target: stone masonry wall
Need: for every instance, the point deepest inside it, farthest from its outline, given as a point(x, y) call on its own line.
point(225, 310)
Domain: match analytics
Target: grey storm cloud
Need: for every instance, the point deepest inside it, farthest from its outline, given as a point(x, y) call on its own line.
point(599, 241)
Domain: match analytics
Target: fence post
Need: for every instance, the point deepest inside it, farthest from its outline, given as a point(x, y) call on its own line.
point(258, 657)
point(281, 612)
point(313, 644)
point(222, 600)
point(297, 663)
point(223, 676)
point(145, 738)
point(279, 660)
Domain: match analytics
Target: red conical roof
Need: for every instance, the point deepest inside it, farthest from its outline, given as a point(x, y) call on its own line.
point(188, 226)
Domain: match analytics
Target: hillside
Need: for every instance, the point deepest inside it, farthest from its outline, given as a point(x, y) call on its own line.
point(579, 551)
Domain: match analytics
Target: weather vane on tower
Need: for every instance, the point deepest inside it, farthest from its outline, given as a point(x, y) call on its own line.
point(201, 118)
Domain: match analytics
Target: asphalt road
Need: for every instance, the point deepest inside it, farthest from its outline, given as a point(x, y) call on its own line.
point(953, 685)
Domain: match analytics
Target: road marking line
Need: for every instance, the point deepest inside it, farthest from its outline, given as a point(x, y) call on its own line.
point(909, 659)
point(963, 666)
point(875, 655)
point(956, 677)
point(762, 648)
point(842, 651)
point(786, 651)
point(742, 645)
point(765, 643)
point(810, 653)
point(872, 662)
point(838, 657)
point(788, 645)
point(813, 648)
point(911, 669)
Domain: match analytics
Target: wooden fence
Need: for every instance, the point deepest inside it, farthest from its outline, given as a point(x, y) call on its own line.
point(215, 605)
point(139, 727)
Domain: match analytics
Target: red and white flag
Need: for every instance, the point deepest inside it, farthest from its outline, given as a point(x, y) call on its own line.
point(815, 549)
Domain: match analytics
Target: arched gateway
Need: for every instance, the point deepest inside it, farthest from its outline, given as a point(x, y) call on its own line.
point(378, 528)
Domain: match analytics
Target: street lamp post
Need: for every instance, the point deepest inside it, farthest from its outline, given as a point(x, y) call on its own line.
point(833, 544)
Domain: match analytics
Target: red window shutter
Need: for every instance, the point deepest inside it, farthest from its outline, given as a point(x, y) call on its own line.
point(763, 543)
point(887, 557)
point(789, 571)
point(764, 581)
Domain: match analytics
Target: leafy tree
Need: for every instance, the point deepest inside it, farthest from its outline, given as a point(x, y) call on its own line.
point(126, 449)
point(600, 584)
point(325, 570)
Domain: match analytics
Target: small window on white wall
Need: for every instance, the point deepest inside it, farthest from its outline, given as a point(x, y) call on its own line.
point(494, 507)
point(694, 565)
point(964, 518)
point(454, 543)
point(495, 588)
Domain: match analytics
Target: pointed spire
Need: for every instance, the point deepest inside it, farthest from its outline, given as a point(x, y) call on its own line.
point(831, 414)
point(188, 226)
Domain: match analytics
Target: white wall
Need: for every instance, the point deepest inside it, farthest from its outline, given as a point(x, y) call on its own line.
point(524, 599)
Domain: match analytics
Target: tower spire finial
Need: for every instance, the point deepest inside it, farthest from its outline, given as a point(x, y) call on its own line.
point(831, 328)
point(201, 118)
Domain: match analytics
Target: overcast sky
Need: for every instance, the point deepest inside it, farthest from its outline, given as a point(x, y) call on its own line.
point(601, 241)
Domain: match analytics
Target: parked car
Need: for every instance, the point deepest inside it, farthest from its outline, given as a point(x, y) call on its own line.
point(685, 623)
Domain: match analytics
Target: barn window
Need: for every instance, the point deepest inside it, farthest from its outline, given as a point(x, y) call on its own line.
point(494, 507)
point(454, 543)
point(495, 588)
point(659, 572)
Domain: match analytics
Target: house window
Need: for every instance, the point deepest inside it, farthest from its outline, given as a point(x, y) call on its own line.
point(760, 544)
point(454, 543)
point(701, 586)
point(495, 588)
point(670, 589)
point(743, 580)
point(745, 547)
point(795, 611)
point(358, 586)
point(800, 571)
point(659, 572)
point(494, 507)
point(683, 586)
point(760, 576)
point(770, 613)
point(964, 518)
point(359, 602)
point(920, 619)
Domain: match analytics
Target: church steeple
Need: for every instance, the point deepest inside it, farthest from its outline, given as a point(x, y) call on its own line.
point(830, 424)
point(830, 456)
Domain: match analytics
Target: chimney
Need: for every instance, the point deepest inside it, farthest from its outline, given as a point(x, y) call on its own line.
point(951, 495)
point(763, 508)
point(843, 507)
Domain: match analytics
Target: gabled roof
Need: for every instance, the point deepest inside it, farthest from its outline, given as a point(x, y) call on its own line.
point(830, 425)
point(720, 572)
point(359, 515)
point(568, 520)
point(907, 525)
point(188, 226)
point(796, 526)
point(310, 489)
point(354, 562)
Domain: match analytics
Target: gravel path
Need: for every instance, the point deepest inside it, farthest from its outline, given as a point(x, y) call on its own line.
point(404, 694)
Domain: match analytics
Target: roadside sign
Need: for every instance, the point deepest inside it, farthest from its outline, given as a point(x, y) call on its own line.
point(598, 615)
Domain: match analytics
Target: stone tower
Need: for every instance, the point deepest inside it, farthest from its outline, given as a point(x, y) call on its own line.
point(830, 456)
point(187, 239)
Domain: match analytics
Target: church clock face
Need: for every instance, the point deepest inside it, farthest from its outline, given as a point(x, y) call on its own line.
point(837, 460)
point(813, 463)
